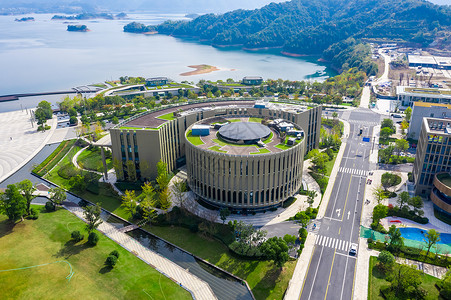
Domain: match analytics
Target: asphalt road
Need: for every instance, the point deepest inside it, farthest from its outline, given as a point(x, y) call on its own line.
point(331, 269)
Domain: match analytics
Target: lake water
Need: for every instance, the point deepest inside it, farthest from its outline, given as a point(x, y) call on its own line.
point(42, 56)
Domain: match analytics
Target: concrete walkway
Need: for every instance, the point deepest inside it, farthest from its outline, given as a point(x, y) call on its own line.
point(365, 98)
point(300, 272)
point(199, 288)
point(19, 141)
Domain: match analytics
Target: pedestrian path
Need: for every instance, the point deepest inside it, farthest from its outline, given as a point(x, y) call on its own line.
point(333, 243)
point(314, 226)
point(364, 123)
point(199, 288)
point(353, 171)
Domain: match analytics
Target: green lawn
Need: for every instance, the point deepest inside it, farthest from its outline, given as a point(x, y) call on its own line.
point(260, 151)
point(330, 164)
point(47, 240)
point(257, 120)
point(92, 160)
point(283, 146)
point(106, 197)
point(195, 140)
point(265, 279)
point(217, 149)
point(168, 116)
point(269, 139)
point(234, 120)
point(54, 157)
point(377, 281)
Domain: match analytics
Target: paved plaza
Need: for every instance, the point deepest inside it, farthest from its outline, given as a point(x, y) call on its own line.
point(19, 140)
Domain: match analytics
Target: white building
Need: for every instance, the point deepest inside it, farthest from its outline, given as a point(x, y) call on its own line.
point(408, 95)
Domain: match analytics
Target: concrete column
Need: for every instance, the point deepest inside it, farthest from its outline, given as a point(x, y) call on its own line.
point(105, 168)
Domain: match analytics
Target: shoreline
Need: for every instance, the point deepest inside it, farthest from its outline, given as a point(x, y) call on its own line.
point(292, 54)
point(200, 69)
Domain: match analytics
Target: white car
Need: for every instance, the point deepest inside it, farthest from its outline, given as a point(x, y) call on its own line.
point(353, 249)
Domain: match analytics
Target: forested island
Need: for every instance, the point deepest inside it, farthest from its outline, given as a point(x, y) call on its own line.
point(82, 28)
point(334, 28)
point(25, 19)
point(135, 27)
point(90, 16)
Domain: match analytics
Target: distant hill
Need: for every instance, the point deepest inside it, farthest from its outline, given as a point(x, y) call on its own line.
point(312, 26)
point(155, 6)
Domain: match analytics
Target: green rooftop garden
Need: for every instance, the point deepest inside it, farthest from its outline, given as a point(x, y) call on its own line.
point(169, 116)
point(217, 149)
point(428, 91)
point(261, 151)
point(195, 140)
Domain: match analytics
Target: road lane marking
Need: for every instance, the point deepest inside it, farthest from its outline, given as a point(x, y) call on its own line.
point(330, 274)
point(339, 230)
point(316, 272)
point(347, 194)
point(308, 268)
point(346, 255)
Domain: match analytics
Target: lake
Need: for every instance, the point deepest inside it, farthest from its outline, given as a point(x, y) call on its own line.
point(42, 56)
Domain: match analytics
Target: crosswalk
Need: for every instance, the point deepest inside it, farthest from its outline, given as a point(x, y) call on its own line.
point(333, 243)
point(365, 123)
point(353, 171)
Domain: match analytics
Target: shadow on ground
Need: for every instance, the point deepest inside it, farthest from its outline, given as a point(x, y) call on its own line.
point(71, 248)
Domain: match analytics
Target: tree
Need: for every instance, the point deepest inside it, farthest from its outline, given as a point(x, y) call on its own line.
point(93, 239)
point(57, 195)
point(432, 238)
point(405, 280)
point(276, 249)
point(111, 261)
point(389, 180)
point(129, 202)
point(148, 212)
point(396, 240)
point(445, 286)
point(78, 183)
point(401, 145)
point(92, 216)
point(27, 189)
point(416, 202)
point(178, 188)
point(388, 123)
point(12, 203)
point(290, 240)
point(303, 218)
point(386, 260)
point(334, 115)
point(379, 194)
point(115, 120)
point(386, 133)
point(131, 170)
point(163, 176)
point(224, 213)
point(164, 199)
point(319, 160)
point(408, 113)
point(311, 195)
point(379, 212)
point(46, 109)
point(76, 236)
point(404, 126)
point(118, 168)
point(403, 198)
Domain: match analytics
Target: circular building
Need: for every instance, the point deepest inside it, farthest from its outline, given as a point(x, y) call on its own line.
point(441, 193)
point(241, 163)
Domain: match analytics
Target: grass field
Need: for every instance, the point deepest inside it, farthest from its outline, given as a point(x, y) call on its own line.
point(330, 164)
point(168, 116)
point(266, 280)
point(195, 140)
point(256, 120)
point(47, 240)
point(92, 160)
point(377, 281)
point(283, 146)
point(260, 151)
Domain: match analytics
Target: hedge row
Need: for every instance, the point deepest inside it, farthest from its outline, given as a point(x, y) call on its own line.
point(53, 158)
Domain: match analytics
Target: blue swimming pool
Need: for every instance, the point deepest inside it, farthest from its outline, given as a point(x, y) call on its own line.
point(417, 234)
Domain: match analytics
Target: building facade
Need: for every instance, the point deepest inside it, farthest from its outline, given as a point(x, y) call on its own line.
point(252, 80)
point(157, 81)
point(406, 96)
point(433, 153)
point(140, 142)
point(441, 193)
point(422, 110)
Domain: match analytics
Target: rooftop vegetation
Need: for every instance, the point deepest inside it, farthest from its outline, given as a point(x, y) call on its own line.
point(195, 140)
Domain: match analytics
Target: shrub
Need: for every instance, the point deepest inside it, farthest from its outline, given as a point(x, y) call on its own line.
point(273, 209)
point(115, 253)
point(68, 171)
point(111, 261)
point(76, 236)
point(93, 239)
point(49, 206)
point(303, 233)
point(194, 228)
point(370, 240)
point(34, 214)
